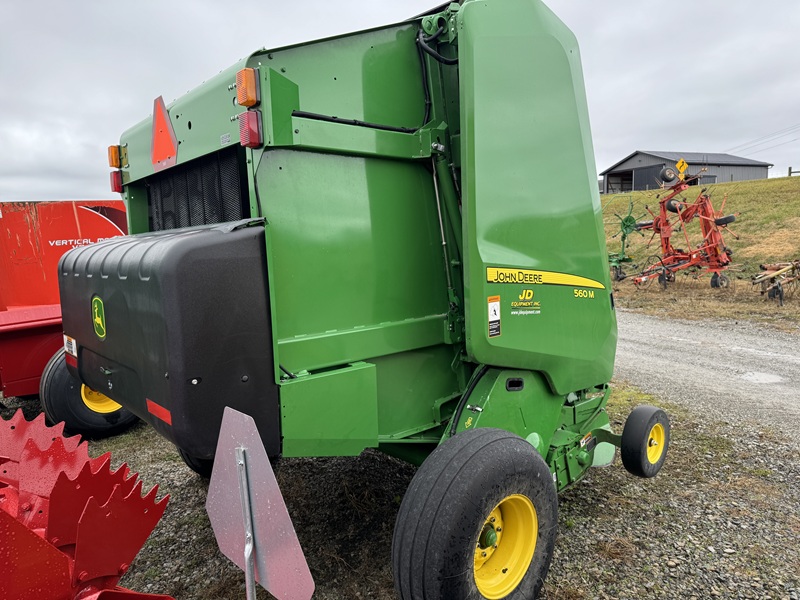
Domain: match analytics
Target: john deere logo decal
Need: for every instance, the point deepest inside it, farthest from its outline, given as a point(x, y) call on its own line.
point(99, 317)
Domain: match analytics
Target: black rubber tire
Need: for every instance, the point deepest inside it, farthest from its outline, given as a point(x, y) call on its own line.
point(672, 205)
point(201, 466)
point(643, 224)
point(720, 281)
point(447, 503)
point(636, 440)
point(60, 397)
point(667, 174)
point(725, 220)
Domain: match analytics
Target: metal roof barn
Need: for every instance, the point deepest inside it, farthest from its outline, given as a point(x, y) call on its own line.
point(640, 170)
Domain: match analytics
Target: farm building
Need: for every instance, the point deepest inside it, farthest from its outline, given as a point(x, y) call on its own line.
point(640, 170)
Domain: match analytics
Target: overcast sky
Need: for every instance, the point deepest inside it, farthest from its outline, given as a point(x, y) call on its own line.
point(699, 76)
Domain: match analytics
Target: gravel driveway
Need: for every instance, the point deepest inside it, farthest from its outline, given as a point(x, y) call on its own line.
point(731, 371)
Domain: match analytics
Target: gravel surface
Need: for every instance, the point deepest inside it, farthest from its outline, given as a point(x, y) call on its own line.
point(731, 371)
point(722, 520)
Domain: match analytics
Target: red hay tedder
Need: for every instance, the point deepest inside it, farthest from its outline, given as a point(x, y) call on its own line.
point(709, 255)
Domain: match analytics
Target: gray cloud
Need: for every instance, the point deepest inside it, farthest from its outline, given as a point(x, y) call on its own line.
point(687, 76)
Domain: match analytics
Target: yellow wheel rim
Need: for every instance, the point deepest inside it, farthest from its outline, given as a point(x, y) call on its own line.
point(505, 546)
point(655, 443)
point(97, 402)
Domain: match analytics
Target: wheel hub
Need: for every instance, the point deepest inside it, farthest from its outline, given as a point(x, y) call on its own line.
point(505, 546)
point(97, 402)
point(655, 443)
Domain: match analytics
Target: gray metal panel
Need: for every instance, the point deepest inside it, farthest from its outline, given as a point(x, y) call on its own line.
point(638, 160)
point(711, 158)
point(646, 178)
point(728, 173)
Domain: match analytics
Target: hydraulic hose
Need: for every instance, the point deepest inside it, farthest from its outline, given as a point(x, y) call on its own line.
point(422, 42)
point(462, 403)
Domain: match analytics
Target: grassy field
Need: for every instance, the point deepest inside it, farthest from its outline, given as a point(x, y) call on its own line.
point(766, 230)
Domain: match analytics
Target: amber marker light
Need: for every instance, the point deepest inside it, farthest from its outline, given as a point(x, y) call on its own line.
point(247, 87)
point(113, 157)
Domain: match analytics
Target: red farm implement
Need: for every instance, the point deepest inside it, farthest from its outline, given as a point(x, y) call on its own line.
point(70, 526)
point(778, 280)
point(33, 236)
point(709, 254)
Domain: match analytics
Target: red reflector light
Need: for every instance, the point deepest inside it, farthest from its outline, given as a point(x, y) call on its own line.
point(158, 411)
point(116, 181)
point(71, 360)
point(250, 129)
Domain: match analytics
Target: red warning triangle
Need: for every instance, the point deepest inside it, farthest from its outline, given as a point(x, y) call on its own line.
point(164, 148)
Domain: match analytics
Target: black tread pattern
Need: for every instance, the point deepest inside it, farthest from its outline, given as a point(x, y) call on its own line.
point(60, 397)
point(461, 476)
point(635, 434)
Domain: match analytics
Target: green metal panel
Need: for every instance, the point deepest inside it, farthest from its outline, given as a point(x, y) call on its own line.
point(370, 76)
point(530, 198)
point(355, 257)
point(334, 413)
point(533, 409)
point(413, 391)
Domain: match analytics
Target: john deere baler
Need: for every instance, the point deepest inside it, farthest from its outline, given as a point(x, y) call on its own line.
point(387, 239)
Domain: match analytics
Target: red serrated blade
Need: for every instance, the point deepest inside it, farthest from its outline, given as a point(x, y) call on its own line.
point(69, 497)
point(110, 536)
point(40, 466)
point(30, 568)
point(16, 432)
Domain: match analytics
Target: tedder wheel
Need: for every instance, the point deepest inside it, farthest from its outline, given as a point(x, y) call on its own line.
point(673, 206)
point(83, 410)
point(645, 440)
point(720, 281)
point(479, 520)
point(667, 174)
point(201, 466)
point(725, 220)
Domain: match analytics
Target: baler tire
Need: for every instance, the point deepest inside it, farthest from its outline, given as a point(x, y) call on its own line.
point(60, 398)
point(645, 441)
point(201, 466)
point(448, 507)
